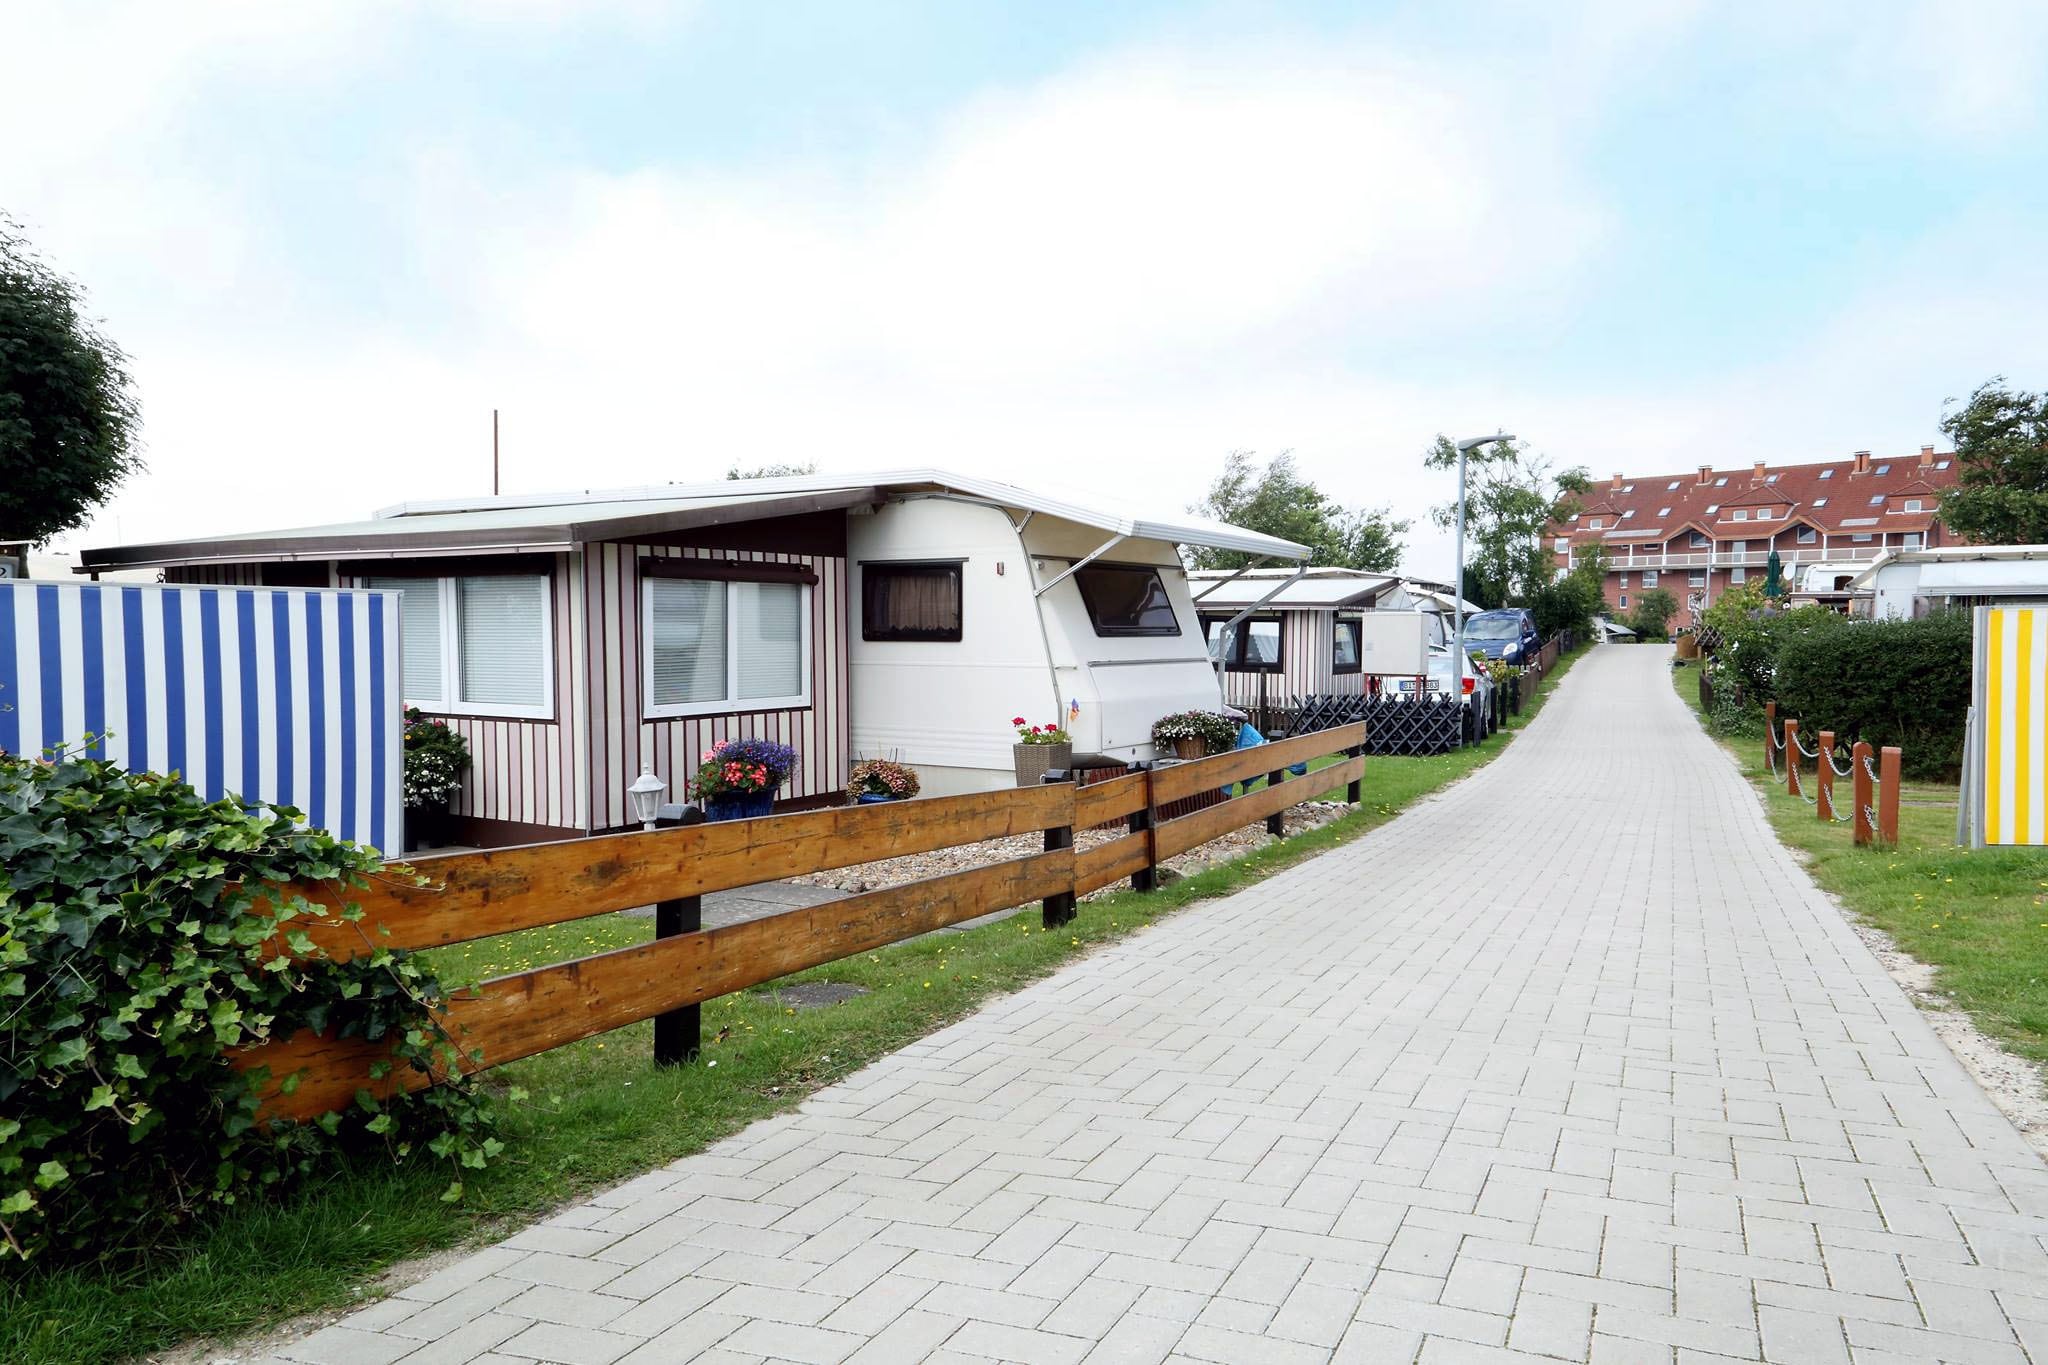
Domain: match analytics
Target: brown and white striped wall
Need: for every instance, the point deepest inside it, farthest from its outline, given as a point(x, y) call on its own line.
point(1307, 664)
point(622, 737)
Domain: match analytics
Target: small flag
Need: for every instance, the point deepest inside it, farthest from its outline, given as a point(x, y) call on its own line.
point(1073, 709)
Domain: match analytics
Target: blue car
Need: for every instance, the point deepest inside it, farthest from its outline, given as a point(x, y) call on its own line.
point(1509, 633)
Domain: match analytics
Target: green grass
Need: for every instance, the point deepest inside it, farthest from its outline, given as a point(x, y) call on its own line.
point(601, 1111)
point(1978, 917)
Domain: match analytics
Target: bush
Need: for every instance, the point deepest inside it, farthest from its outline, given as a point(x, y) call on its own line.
point(1653, 612)
point(1570, 601)
point(137, 954)
point(1888, 682)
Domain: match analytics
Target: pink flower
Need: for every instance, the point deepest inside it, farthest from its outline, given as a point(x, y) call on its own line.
point(1016, 720)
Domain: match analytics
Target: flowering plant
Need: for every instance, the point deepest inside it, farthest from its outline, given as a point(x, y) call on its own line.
point(743, 767)
point(1501, 671)
point(1218, 733)
point(1040, 734)
point(435, 760)
point(880, 777)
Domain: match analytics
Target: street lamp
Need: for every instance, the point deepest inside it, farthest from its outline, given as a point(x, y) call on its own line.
point(645, 794)
point(1459, 663)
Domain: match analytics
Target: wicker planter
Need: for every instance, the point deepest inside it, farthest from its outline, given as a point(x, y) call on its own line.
point(1034, 761)
point(1190, 748)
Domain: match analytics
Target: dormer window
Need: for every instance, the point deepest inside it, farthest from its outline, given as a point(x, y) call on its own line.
point(1807, 535)
point(1596, 523)
point(1766, 513)
point(1739, 514)
point(1912, 504)
point(1827, 473)
point(1698, 539)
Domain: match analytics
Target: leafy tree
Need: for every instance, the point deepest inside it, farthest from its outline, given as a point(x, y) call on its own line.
point(1280, 502)
point(1653, 612)
point(68, 415)
point(1511, 495)
point(1571, 601)
point(2001, 443)
point(772, 471)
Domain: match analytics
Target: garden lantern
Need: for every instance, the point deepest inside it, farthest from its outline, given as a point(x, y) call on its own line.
point(645, 796)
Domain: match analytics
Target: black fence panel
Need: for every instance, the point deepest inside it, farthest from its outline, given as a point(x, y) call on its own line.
point(1393, 725)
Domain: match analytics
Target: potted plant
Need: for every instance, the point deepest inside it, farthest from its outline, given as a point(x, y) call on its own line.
point(1195, 734)
point(874, 780)
point(1039, 749)
point(435, 760)
point(738, 778)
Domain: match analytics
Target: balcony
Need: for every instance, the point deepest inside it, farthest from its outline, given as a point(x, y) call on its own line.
point(1637, 557)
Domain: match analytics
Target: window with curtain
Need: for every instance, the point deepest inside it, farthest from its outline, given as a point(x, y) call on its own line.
point(715, 645)
point(1344, 649)
point(1126, 599)
point(910, 602)
point(419, 628)
point(476, 644)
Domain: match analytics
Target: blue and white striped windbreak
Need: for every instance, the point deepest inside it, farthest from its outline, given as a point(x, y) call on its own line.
point(281, 696)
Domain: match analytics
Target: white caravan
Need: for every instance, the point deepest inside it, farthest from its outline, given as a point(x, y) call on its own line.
point(976, 603)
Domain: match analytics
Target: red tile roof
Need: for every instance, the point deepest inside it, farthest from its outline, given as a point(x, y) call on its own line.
point(1830, 495)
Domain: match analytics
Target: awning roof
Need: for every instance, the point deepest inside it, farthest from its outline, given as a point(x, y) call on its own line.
point(1319, 588)
point(528, 524)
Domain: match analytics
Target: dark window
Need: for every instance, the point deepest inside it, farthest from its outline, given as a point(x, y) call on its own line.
point(1807, 535)
point(907, 601)
point(1252, 647)
point(1126, 599)
point(1344, 652)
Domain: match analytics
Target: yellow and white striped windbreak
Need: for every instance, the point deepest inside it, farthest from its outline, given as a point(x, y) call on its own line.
point(2013, 697)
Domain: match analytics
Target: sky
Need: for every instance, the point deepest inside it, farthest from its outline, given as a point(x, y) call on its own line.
point(1088, 248)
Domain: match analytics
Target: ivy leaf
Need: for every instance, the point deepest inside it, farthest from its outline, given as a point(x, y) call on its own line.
point(51, 1173)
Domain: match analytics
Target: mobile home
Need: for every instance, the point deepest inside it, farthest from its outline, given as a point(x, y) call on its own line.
point(574, 638)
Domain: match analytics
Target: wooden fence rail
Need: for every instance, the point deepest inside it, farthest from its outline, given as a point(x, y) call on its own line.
point(479, 895)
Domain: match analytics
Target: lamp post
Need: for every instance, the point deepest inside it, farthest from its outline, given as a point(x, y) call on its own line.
point(645, 796)
point(1459, 663)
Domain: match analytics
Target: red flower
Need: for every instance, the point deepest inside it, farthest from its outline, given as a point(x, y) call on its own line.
point(1016, 720)
point(1034, 729)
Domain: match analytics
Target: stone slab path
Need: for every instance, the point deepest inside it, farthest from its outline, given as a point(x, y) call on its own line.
point(1569, 1063)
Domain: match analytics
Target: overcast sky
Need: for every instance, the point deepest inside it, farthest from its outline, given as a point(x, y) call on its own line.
point(1088, 248)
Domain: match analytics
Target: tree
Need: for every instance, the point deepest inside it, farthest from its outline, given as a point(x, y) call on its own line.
point(772, 471)
point(1653, 612)
point(68, 416)
point(1278, 501)
point(1570, 601)
point(2001, 444)
point(1511, 495)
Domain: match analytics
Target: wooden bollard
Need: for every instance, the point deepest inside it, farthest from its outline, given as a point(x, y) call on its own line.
point(1859, 778)
point(1770, 736)
point(1888, 794)
point(1824, 792)
point(1791, 757)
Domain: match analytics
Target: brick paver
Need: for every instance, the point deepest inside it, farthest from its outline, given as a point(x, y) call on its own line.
point(1570, 1063)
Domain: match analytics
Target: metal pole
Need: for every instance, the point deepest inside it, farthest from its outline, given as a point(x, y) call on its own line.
point(1458, 602)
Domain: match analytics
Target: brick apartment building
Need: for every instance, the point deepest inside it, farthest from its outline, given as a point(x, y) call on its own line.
point(1695, 534)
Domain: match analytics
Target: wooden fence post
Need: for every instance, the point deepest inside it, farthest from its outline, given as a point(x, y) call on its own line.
point(678, 1034)
point(1791, 757)
point(1770, 736)
point(1888, 794)
point(1824, 775)
point(1355, 792)
point(1058, 908)
point(1146, 822)
point(1276, 823)
point(1859, 759)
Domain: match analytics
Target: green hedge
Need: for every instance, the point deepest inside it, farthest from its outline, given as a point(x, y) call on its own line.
point(143, 942)
point(1888, 682)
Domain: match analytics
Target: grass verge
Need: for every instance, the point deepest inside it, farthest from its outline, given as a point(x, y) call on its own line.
point(1978, 917)
point(600, 1111)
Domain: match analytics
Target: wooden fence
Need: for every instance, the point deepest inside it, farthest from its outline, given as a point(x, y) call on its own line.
point(478, 895)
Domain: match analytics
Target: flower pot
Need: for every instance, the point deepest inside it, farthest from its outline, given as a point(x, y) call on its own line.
point(874, 798)
point(740, 806)
point(1190, 748)
point(1034, 761)
point(425, 827)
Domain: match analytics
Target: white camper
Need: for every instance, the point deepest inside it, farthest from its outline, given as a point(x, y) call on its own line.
point(975, 608)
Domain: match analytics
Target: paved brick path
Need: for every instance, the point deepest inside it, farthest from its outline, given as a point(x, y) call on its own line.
point(1570, 1064)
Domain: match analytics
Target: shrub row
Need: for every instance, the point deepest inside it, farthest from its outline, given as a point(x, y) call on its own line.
point(1888, 682)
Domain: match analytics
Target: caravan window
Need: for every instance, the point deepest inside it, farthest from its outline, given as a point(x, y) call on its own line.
point(479, 645)
point(910, 601)
point(712, 646)
point(1126, 599)
point(1253, 647)
point(1344, 651)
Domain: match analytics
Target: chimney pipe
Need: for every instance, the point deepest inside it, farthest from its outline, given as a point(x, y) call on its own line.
point(1706, 474)
point(1615, 484)
point(1926, 456)
point(1862, 462)
point(1756, 473)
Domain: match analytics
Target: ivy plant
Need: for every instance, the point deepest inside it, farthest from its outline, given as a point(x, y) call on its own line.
point(144, 941)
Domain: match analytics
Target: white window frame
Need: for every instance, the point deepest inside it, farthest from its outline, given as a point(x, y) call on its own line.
point(1649, 578)
point(1739, 514)
point(1913, 504)
point(1807, 535)
point(451, 653)
point(731, 704)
